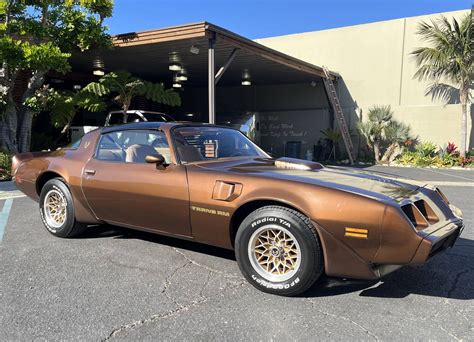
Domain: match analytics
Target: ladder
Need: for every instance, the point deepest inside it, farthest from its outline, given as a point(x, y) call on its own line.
point(341, 120)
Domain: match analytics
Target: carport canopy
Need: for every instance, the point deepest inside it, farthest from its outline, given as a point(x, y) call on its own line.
point(208, 53)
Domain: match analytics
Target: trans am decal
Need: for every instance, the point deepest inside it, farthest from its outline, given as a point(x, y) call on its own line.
point(210, 211)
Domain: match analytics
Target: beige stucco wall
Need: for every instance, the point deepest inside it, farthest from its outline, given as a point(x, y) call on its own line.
point(376, 68)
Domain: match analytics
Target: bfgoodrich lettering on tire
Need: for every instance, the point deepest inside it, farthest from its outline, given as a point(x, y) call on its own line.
point(278, 251)
point(57, 210)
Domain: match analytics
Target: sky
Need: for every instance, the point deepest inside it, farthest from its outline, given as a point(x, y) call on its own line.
point(266, 18)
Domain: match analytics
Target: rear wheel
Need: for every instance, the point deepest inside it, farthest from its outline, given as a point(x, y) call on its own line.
point(278, 251)
point(57, 210)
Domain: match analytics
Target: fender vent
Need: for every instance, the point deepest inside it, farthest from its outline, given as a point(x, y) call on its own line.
point(415, 216)
point(420, 214)
point(426, 211)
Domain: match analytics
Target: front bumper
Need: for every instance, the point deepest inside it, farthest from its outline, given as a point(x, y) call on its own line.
point(437, 241)
point(431, 245)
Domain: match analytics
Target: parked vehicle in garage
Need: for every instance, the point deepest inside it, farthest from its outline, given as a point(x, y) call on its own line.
point(288, 220)
point(117, 117)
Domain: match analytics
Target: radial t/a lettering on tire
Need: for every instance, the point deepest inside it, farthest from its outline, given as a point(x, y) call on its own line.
point(57, 210)
point(278, 251)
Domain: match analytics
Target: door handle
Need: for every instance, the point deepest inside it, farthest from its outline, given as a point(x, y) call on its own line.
point(89, 172)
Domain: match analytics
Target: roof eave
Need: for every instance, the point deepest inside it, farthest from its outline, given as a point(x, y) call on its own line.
point(209, 30)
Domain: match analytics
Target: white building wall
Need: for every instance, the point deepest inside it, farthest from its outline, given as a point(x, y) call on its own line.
point(376, 65)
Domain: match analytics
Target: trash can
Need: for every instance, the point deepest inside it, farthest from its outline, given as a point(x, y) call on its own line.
point(293, 149)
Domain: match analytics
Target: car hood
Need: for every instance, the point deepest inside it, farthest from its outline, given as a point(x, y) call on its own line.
point(377, 185)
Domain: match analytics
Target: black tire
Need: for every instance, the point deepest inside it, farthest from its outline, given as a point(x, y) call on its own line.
point(68, 227)
point(295, 226)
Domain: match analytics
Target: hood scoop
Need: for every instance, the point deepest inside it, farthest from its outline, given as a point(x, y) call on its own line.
point(297, 164)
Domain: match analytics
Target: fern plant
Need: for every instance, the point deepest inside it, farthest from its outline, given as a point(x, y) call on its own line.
point(333, 136)
point(125, 87)
point(63, 105)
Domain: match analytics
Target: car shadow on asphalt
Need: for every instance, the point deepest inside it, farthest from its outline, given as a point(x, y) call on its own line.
point(116, 232)
point(447, 275)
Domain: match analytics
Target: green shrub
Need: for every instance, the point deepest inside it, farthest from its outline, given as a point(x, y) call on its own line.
point(427, 154)
point(426, 149)
point(407, 158)
point(5, 165)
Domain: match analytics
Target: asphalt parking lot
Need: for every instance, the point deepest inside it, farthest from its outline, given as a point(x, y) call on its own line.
point(114, 283)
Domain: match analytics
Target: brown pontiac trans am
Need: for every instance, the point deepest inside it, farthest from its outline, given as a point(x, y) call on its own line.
point(288, 220)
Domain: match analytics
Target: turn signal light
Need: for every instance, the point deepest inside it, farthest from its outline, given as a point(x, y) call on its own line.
point(356, 232)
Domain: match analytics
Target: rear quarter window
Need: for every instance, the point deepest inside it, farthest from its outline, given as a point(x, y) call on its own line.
point(74, 145)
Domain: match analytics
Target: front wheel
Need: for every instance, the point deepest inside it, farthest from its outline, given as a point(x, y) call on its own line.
point(278, 251)
point(57, 210)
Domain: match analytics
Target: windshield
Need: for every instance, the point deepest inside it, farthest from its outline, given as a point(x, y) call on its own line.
point(211, 143)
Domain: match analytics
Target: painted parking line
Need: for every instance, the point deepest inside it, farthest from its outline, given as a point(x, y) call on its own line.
point(4, 216)
point(11, 194)
point(447, 174)
point(441, 183)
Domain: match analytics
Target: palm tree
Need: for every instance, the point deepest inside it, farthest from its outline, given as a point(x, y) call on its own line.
point(332, 136)
point(448, 57)
point(396, 134)
point(126, 87)
point(373, 129)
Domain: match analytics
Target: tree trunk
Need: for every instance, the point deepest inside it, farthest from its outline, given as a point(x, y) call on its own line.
point(388, 153)
point(24, 136)
point(8, 119)
point(24, 131)
point(8, 126)
point(377, 151)
point(463, 97)
point(398, 150)
point(125, 107)
point(64, 131)
point(124, 115)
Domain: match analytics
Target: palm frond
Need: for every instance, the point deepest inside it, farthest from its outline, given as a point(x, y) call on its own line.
point(448, 56)
point(443, 91)
point(98, 89)
point(158, 93)
point(397, 132)
point(125, 86)
point(89, 101)
point(332, 134)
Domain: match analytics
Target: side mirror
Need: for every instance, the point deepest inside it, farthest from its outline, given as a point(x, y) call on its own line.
point(157, 159)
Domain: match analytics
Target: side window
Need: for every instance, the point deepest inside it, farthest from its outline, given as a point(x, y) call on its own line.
point(73, 146)
point(132, 146)
point(110, 147)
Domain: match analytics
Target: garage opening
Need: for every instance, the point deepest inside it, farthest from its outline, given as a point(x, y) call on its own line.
point(277, 100)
